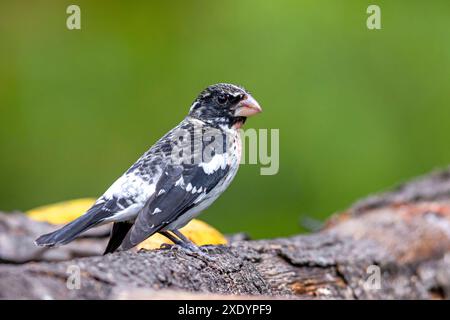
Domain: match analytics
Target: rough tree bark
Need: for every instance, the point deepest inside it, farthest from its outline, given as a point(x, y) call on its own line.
point(405, 233)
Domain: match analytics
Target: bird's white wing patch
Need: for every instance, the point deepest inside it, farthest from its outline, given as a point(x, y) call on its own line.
point(157, 210)
point(218, 161)
point(180, 182)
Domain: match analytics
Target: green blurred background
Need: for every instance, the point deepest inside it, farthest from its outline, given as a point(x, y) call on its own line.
point(358, 110)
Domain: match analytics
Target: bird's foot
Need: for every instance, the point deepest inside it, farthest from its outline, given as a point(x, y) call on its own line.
point(192, 248)
point(188, 248)
point(167, 246)
point(185, 244)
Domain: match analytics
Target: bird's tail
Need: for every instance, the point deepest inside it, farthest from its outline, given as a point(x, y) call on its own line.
point(72, 230)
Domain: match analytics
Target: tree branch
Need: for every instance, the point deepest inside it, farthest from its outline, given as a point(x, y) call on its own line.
point(405, 233)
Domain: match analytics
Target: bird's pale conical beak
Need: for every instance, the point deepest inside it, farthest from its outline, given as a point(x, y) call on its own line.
point(247, 107)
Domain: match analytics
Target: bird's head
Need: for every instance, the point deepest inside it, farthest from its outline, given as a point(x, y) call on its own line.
point(224, 104)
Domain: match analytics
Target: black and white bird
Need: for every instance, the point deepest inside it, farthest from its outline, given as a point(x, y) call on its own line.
point(178, 177)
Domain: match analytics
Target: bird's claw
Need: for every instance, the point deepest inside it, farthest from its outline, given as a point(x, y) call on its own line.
point(167, 246)
point(192, 248)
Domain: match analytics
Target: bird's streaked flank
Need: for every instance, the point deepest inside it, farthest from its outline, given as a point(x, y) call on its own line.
point(178, 177)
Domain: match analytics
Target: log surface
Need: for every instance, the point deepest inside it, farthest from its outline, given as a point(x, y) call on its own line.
point(402, 235)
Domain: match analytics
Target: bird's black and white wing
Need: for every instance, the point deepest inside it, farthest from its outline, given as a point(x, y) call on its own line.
point(181, 192)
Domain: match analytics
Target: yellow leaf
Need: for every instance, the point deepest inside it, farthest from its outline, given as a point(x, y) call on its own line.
point(61, 212)
point(197, 231)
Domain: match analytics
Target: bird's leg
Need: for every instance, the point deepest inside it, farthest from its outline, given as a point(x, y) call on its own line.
point(189, 245)
point(182, 236)
point(172, 238)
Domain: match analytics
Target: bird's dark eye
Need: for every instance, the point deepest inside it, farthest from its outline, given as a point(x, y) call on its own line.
point(240, 97)
point(236, 98)
point(222, 98)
